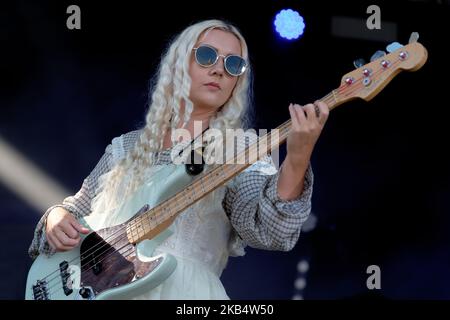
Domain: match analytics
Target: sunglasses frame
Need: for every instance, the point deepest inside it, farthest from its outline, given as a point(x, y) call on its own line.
point(225, 58)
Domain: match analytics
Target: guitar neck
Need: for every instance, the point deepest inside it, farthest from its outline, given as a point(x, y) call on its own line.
point(152, 222)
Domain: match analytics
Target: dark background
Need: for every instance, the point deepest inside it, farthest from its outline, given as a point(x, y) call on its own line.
point(382, 189)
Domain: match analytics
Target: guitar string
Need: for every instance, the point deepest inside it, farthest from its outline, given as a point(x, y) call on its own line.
point(50, 290)
point(352, 89)
point(123, 235)
point(342, 89)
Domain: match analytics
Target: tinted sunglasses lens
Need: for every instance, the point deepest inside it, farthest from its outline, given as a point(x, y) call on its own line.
point(205, 56)
point(235, 65)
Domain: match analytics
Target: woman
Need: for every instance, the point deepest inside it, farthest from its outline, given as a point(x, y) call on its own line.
point(203, 78)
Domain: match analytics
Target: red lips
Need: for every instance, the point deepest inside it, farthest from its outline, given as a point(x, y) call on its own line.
point(214, 84)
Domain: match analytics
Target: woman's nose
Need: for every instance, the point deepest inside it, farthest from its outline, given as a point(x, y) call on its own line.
point(219, 67)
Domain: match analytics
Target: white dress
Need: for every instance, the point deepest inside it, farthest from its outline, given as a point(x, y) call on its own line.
point(202, 241)
point(200, 247)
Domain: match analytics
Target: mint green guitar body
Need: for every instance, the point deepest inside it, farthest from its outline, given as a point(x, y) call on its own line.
point(105, 265)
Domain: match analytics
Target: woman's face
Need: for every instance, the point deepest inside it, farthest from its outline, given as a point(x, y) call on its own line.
point(212, 86)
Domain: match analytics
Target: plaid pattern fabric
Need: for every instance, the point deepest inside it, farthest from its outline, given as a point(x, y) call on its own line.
point(259, 217)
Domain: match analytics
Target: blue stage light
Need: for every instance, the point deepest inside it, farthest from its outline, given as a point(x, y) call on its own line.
point(289, 24)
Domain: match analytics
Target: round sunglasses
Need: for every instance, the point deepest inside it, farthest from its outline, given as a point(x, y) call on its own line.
point(207, 56)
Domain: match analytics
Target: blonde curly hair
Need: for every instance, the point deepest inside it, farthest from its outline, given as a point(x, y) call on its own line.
point(171, 89)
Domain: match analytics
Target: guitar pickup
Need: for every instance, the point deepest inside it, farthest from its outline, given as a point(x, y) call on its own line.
point(65, 277)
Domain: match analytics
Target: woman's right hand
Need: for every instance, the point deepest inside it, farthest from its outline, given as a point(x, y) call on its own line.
point(63, 230)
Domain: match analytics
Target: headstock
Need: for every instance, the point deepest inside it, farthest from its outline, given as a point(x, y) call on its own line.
point(368, 80)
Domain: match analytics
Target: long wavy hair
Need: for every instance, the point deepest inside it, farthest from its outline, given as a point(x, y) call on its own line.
point(168, 92)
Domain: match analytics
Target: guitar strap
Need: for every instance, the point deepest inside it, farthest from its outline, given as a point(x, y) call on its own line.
point(194, 166)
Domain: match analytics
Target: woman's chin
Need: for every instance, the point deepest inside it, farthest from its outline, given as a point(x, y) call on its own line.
point(212, 105)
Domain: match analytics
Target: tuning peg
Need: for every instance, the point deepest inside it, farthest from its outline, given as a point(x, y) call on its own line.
point(413, 37)
point(393, 46)
point(358, 63)
point(377, 54)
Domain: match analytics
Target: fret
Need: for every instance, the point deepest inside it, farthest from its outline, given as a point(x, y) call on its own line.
point(222, 172)
point(212, 177)
point(171, 209)
point(134, 225)
point(262, 145)
point(193, 192)
point(154, 220)
point(328, 100)
point(225, 171)
point(150, 220)
point(159, 217)
point(187, 195)
point(183, 198)
point(162, 216)
point(202, 185)
point(285, 131)
point(147, 227)
point(135, 233)
point(139, 229)
point(274, 139)
point(177, 208)
point(236, 169)
point(142, 225)
point(334, 96)
point(167, 209)
point(326, 97)
point(160, 213)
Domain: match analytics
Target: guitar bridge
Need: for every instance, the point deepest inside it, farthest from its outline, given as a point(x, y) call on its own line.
point(40, 290)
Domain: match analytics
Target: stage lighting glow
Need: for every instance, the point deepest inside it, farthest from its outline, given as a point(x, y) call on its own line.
point(289, 24)
point(303, 266)
point(300, 283)
point(27, 180)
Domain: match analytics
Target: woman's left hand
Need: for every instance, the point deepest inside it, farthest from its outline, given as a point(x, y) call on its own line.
point(307, 124)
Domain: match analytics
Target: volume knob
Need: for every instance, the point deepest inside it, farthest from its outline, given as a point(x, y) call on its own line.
point(85, 293)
